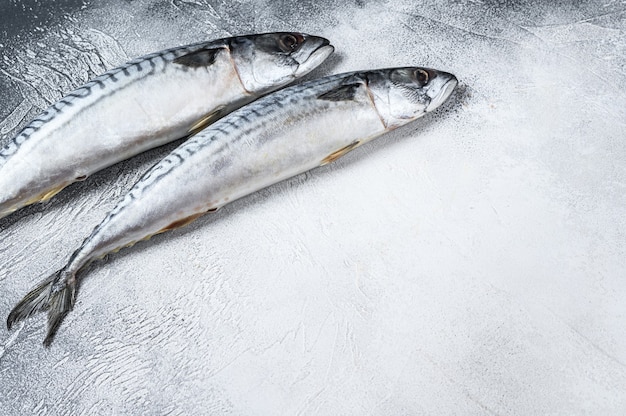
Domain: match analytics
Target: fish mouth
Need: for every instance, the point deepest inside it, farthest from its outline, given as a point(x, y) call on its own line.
point(315, 52)
point(447, 83)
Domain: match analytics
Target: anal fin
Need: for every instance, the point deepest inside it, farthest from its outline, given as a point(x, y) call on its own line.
point(176, 224)
point(336, 155)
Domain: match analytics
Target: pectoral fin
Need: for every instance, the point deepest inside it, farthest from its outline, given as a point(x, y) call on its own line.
point(336, 155)
point(205, 121)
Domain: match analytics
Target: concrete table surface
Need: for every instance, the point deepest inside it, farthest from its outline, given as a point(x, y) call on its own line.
point(472, 262)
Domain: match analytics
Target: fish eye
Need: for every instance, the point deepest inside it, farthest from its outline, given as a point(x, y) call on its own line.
point(421, 76)
point(288, 43)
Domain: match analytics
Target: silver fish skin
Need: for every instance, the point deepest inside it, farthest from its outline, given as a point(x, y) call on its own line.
point(274, 138)
point(146, 103)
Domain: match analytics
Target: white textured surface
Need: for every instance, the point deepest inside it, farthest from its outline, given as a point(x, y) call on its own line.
point(471, 263)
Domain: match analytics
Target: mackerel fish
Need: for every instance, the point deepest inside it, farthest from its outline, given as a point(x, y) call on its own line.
point(274, 138)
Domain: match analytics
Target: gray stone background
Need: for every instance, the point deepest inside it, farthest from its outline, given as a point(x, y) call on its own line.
point(470, 263)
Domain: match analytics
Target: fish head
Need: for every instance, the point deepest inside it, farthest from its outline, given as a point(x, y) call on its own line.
point(267, 61)
point(402, 95)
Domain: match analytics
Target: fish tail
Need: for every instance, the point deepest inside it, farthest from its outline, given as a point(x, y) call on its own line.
point(54, 294)
point(36, 300)
point(60, 303)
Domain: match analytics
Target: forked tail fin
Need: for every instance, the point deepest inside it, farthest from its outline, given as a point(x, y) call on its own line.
point(55, 294)
point(35, 301)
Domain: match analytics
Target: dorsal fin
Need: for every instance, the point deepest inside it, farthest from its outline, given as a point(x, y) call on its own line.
point(203, 57)
point(341, 93)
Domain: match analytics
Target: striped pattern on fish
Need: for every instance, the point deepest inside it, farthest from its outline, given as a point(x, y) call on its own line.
point(103, 86)
point(274, 138)
point(146, 103)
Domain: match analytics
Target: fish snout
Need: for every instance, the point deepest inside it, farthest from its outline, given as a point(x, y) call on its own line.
point(441, 86)
point(314, 51)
